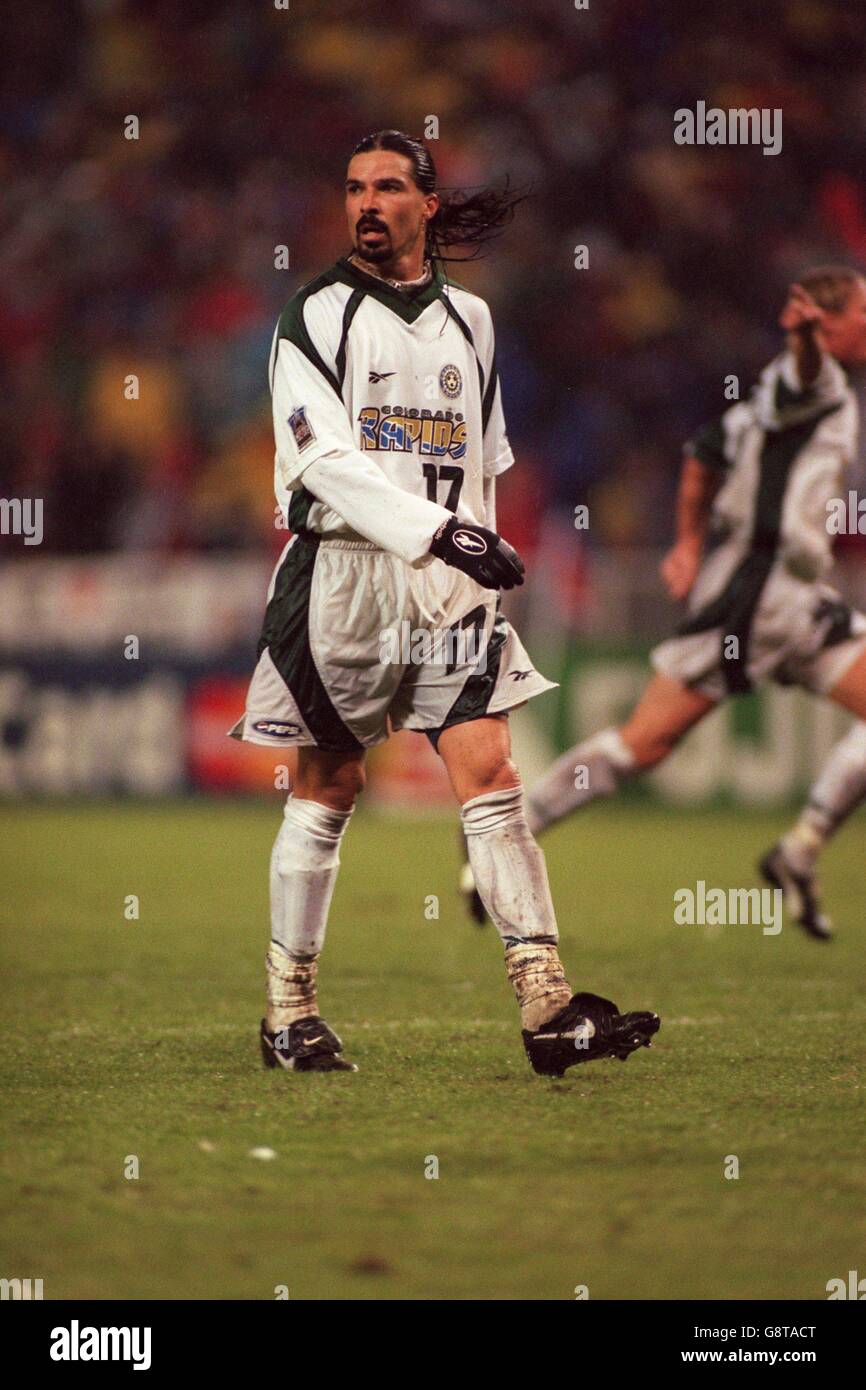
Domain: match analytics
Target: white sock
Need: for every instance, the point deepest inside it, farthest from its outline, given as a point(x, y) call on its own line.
point(593, 768)
point(291, 987)
point(838, 790)
point(511, 877)
point(537, 977)
point(304, 864)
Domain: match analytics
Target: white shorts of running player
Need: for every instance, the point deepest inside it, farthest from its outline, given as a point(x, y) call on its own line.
point(801, 633)
point(356, 644)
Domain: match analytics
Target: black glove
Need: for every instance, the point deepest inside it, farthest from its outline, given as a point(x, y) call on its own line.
point(480, 553)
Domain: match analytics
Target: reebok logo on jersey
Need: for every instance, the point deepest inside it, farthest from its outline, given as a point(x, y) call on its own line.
point(376, 377)
point(469, 542)
point(301, 428)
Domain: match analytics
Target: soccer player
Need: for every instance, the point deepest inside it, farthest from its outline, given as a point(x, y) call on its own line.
point(389, 437)
point(752, 547)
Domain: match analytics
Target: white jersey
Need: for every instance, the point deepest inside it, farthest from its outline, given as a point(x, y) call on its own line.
point(388, 422)
point(387, 410)
point(783, 454)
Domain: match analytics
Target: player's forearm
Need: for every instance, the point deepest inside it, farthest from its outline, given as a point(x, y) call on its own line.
point(698, 485)
point(358, 491)
point(807, 353)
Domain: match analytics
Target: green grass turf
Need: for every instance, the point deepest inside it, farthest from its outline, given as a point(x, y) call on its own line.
point(139, 1038)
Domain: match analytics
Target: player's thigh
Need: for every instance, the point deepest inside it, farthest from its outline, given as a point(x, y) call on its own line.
point(850, 690)
point(477, 756)
point(663, 714)
point(332, 778)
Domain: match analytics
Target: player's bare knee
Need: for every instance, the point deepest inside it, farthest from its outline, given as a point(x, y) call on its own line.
point(345, 786)
point(333, 783)
point(494, 774)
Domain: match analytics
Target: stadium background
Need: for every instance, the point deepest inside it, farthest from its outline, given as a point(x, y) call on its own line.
point(156, 257)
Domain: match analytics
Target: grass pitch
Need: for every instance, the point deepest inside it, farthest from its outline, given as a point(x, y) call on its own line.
point(128, 1038)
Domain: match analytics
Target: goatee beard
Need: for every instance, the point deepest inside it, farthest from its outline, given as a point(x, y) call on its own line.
point(374, 257)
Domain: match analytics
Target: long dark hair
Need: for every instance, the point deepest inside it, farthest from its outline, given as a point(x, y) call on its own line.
point(462, 219)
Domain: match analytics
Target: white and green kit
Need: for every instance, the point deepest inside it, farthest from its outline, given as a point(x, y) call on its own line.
point(388, 421)
point(760, 607)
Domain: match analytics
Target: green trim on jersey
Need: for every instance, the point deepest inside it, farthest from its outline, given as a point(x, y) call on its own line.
point(707, 445)
point(292, 327)
point(489, 396)
point(286, 635)
point(454, 284)
point(353, 304)
point(734, 608)
point(467, 334)
point(408, 307)
point(488, 391)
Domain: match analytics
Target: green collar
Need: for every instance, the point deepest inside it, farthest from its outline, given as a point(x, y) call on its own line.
point(408, 306)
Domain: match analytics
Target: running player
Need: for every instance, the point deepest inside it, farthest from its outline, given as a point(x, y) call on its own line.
point(389, 438)
point(753, 546)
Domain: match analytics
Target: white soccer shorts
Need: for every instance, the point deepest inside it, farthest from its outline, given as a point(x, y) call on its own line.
point(356, 644)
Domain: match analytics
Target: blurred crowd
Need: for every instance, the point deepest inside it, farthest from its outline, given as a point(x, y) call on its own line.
point(155, 257)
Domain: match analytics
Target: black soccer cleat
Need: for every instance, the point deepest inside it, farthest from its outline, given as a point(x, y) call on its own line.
point(308, 1045)
point(800, 894)
point(466, 886)
point(587, 1028)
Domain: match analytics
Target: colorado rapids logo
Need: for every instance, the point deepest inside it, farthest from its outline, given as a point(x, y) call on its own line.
point(397, 429)
point(450, 381)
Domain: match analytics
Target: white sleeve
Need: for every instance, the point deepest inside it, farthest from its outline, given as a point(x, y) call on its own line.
point(489, 491)
point(316, 449)
point(357, 490)
point(497, 453)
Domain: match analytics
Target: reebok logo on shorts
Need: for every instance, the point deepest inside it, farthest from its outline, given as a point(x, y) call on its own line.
point(301, 428)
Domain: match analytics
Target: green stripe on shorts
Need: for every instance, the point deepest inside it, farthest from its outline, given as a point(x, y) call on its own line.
point(286, 634)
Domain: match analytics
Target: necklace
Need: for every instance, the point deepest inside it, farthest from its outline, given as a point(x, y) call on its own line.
point(395, 284)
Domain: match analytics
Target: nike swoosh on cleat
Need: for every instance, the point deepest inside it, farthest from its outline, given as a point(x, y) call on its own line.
point(287, 1063)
